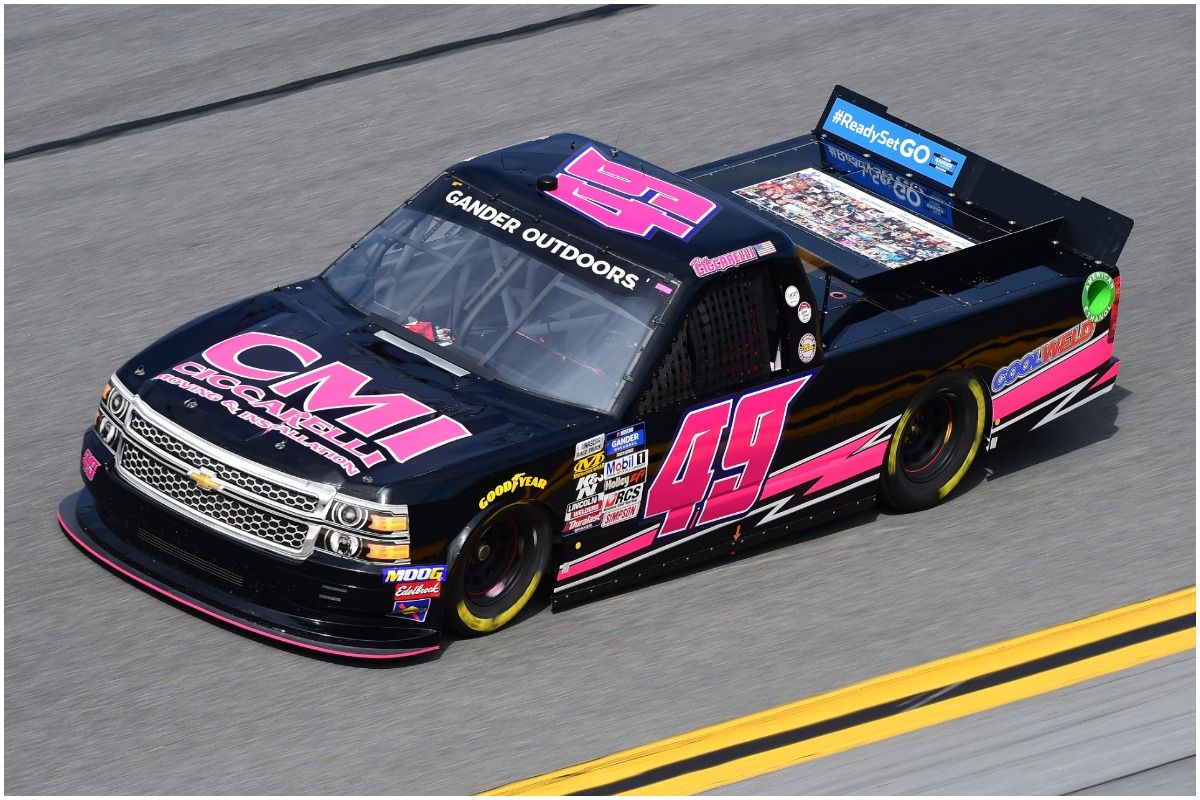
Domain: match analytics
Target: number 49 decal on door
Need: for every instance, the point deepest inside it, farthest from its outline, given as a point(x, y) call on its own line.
point(684, 491)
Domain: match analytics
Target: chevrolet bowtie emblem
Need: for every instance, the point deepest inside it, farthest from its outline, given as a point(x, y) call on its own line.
point(206, 482)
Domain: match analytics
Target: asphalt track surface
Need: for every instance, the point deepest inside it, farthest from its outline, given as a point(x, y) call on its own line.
point(112, 244)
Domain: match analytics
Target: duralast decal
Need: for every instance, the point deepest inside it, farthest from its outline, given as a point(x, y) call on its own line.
point(513, 484)
point(583, 514)
point(252, 394)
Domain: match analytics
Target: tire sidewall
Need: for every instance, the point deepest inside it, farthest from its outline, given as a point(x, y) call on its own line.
point(897, 489)
point(473, 620)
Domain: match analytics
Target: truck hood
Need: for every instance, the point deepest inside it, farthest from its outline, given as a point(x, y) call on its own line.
point(324, 396)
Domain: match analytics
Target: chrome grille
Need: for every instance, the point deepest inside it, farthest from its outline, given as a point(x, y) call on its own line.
point(268, 490)
point(241, 518)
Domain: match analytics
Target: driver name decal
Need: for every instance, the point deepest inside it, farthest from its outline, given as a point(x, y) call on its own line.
point(354, 438)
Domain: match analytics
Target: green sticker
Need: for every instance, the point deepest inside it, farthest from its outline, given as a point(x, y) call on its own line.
point(1099, 292)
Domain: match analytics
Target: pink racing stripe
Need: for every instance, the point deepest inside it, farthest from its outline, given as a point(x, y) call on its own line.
point(831, 468)
point(101, 557)
point(640, 542)
point(1106, 377)
point(1056, 376)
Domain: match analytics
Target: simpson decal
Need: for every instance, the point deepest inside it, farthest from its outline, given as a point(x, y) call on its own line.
point(621, 506)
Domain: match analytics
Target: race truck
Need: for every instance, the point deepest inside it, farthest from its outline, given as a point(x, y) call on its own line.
point(560, 364)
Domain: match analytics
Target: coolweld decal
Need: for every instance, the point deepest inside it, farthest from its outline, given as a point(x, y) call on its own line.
point(894, 142)
point(628, 200)
point(322, 388)
point(1035, 359)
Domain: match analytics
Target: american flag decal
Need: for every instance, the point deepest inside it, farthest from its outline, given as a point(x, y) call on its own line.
point(764, 249)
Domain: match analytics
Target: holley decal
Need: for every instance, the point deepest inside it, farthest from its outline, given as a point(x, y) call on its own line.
point(323, 388)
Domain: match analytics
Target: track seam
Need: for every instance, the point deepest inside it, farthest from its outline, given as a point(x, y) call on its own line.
point(1130, 775)
point(303, 84)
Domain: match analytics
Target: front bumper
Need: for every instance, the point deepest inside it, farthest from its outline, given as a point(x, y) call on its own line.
point(255, 592)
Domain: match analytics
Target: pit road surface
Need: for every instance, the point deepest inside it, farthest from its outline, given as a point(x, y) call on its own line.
point(112, 244)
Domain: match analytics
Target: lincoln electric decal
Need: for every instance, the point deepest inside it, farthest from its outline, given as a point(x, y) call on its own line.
point(316, 389)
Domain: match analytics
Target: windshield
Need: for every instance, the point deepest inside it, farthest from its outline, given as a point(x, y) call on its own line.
point(554, 330)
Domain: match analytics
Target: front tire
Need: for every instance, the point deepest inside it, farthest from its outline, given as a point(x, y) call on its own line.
point(498, 570)
point(935, 443)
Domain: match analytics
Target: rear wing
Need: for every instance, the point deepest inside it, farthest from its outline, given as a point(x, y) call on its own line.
point(1035, 213)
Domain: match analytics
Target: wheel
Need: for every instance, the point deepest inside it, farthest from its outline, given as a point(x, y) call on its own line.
point(498, 569)
point(935, 442)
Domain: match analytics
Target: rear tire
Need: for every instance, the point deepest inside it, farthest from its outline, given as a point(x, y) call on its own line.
point(498, 570)
point(935, 443)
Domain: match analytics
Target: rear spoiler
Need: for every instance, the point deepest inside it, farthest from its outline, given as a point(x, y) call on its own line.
point(1085, 227)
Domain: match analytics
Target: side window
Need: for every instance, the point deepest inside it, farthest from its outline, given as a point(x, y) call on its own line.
point(726, 340)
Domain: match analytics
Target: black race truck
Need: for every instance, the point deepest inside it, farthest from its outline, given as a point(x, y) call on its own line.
point(560, 364)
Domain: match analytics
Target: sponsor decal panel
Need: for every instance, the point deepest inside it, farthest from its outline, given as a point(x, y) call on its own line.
point(626, 463)
point(625, 199)
point(588, 464)
point(90, 464)
point(514, 484)
point(625, 439)
point(418, 590)
point(432, 572)
point(589, 446)
point(1044, 354)
point(895, 142)
point(414, 610)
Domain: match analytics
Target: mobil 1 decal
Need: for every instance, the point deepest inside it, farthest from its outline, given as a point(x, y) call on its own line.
point(715, 466)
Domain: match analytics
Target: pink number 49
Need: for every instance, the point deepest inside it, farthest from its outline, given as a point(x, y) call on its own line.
point(628, 200)
point(685, 480)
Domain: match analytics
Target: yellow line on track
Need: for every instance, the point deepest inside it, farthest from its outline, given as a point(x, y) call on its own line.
point(945, 672)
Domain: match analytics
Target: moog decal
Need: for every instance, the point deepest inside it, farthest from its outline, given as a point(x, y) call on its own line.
point(628, 200)
point(324, 388)
point(686, 492)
